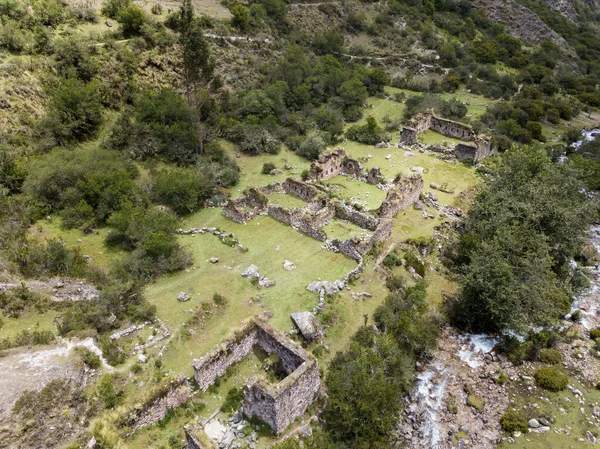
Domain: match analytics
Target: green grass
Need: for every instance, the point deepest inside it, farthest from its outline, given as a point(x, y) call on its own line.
point(261, 236)
point(348, 188)
point(90, 244)
point(539, 403)
point(28, 320)
point(342, 230)
point(286, 200)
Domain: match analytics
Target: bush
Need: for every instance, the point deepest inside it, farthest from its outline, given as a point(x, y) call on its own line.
point(595, 334)
point(89, 358)
point(131, 18)
point(220, 300)
point(233, 400)
point(550, 356)
point(267, 168)
point(74, 112)
point(311, 147)
point(551, 379)
point(370, 133)
point(514, 421)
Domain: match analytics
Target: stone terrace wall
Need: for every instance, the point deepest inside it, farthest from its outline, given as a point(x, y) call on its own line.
point(422, 122)
point(401, 195)
point(303, 220)
point(237, 210)
point(277, 405)
point(300, 189)
point(334, 163)
point(356, 217)
point(374, 176)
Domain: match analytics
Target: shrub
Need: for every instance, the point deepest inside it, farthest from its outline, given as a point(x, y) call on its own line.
point(268, 167)
point(131, 18)
point(220, 300)
point(233, 400)
point(370, 133)
point(89, 358)
point(551, 379)
point(514, 421)
point(106, 391)
point(113, 353)
point(595, 334)
point(501, 379)
point(312, 146)
point(157, 9)
point(550, 356)
point(576, 316)
point(476, 402)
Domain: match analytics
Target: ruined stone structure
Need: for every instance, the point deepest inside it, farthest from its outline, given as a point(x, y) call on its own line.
point(277, 405)
point(404, 193)
point(335, 163)
point(480, 148)
point(301, 189)
point(308, 220)
point(242, 210)
point(360, 219)
point(196, 438)
point(374, 176)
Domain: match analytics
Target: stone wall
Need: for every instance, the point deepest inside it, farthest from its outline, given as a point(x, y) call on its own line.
point(196, 437)
point(243, 209)
point(334, 163)
point(303, 219)
point(300, 189)
point(400, 196)
point(480, 149)
point(277, 405)
point(360, 219)
point(374, 176)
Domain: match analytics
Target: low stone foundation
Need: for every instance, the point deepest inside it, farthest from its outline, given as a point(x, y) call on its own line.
point(277, 405)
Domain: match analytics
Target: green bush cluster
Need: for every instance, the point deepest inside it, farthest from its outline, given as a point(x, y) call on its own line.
point(514, 421)
point(549, 378)
point(550, 356)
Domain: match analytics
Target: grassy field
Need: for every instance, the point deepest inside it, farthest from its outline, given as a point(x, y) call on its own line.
point(564, 407)
point(352, 190)
point(286, 200)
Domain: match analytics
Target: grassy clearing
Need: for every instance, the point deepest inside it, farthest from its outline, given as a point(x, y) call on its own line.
point(261, 236)
point(351, 189)
point(286, 200)
point(564, 407)
point(29, 320)
point(90, 244)
point(342, 230)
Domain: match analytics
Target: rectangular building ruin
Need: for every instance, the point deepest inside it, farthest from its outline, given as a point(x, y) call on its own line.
point(335, 163)
point(277, 405)
point(479, 149)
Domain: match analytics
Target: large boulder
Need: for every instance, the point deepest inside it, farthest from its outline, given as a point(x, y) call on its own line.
point(183, 297)
point(305, 322)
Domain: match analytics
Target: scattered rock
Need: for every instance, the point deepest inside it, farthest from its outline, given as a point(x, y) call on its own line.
point(142, 358)
point(214, 260)
point(252, 272)
point(287, 265)
point(417, 169)
point(533, 423)
point(590, 437)
point(276, 171)
point(183, 297)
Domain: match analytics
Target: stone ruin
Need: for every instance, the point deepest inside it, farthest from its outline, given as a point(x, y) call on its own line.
point(277, 405)
point(480, 148)
point(335, 163)
point(405, 192)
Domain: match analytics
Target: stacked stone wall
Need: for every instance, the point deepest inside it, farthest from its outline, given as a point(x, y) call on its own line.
point(452, 129)
point(277, 405)
point(303, 220)
point(335, 163)
point(300, 189)
point(360, 219)
point(402, 195)
point(374, 176)
point(476, 151)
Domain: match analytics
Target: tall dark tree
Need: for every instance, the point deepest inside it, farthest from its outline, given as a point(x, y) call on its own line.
point(198, 66)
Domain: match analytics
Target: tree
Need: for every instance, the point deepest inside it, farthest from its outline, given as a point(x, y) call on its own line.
point(131, 18)
point(312, 146)
point(75, 110)
point(197, 63)
point(240, 16)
